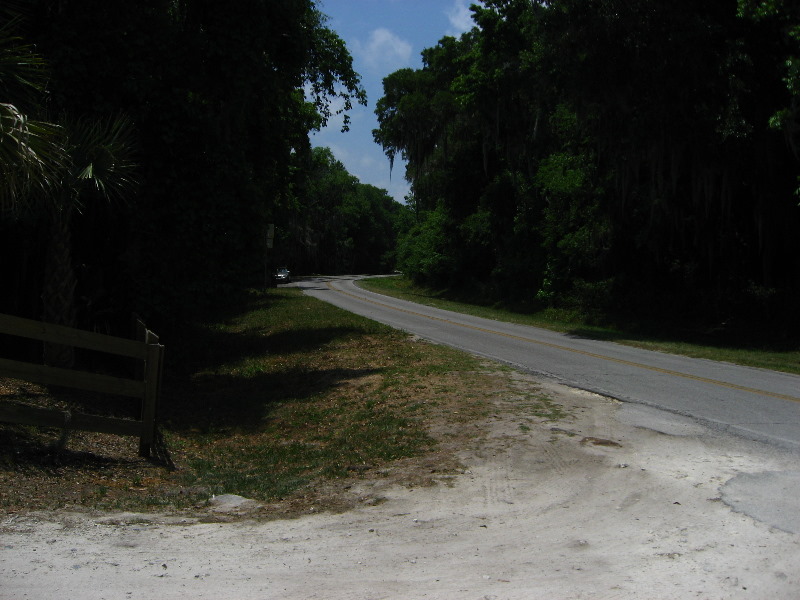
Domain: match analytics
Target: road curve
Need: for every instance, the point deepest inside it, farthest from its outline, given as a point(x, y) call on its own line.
point(755, 403)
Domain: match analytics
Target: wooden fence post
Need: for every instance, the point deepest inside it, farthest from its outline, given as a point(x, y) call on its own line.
point(152, 383)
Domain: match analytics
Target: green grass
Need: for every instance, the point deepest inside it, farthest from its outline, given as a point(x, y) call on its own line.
point(266, 402)
point(293, 390)
point(751, 351)
point(273, 401)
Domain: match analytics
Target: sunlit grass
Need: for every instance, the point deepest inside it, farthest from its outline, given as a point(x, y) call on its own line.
point(276, 401)
point(295, 389)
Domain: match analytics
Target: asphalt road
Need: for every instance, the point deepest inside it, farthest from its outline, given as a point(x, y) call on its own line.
point(754, 403)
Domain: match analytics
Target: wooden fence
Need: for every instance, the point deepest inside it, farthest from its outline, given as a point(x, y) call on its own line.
point(144, 386)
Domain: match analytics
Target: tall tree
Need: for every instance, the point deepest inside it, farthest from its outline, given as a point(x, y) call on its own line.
point(47, 168)
point(609, 153)
point(223, 98)
point(100, 166)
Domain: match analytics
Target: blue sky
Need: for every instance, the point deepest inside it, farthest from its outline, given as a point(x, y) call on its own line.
point(383, 36)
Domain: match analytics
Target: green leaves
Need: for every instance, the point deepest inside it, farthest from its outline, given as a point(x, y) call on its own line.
point(31, 152)
point(329, 73)
point(561, 174)
point(43, 162)
point(102, 158)
point(31, 157)
point(581, 144)
point(338, 224)
point(425, 253)
point(23, 72)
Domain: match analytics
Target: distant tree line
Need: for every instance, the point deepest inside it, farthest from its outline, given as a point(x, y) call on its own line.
point(199, 112)
point(336, 224)
point(607, 155)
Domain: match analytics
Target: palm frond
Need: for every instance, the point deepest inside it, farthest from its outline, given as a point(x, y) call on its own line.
point(32, 159)
point(23, 72)
point(103, 157)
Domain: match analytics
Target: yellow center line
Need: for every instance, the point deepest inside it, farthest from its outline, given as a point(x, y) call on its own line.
point(621, 361)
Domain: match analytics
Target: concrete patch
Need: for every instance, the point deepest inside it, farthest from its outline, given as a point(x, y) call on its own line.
point(772, 497)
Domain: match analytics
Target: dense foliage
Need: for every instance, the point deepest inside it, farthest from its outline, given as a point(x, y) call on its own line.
point(336, 223)
point(608, 155)
point(220, 97)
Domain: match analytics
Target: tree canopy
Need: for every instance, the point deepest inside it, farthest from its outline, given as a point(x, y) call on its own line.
point(593, 154)
point(221, 98)
point(633, 155)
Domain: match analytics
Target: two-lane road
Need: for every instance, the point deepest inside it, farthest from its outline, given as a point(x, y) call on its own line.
point(755, 403)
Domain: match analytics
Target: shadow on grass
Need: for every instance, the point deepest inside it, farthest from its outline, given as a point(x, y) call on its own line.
point(201, 389)
point(46, 449)
point(201, 349)
point(221, 402)
point(232, 377)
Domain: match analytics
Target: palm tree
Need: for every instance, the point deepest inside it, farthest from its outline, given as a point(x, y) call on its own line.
point(100, 164)
point(53, 168)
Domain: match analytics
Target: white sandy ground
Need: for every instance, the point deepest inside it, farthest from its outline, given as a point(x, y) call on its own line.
point(538, 513)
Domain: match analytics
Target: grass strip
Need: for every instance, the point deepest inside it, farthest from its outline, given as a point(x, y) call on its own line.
point(777, 355)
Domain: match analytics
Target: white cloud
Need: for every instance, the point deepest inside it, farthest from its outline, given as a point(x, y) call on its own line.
point(460, 17)
point(384, 50)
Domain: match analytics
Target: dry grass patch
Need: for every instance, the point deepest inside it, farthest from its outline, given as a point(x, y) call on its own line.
point(292, 403)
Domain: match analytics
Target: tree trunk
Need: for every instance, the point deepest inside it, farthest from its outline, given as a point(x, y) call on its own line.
point(58, 292)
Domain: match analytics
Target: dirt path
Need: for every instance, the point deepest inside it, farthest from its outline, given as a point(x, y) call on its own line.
point(597, 507)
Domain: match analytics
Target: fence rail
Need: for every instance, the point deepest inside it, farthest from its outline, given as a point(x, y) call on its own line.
point(144, 386)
